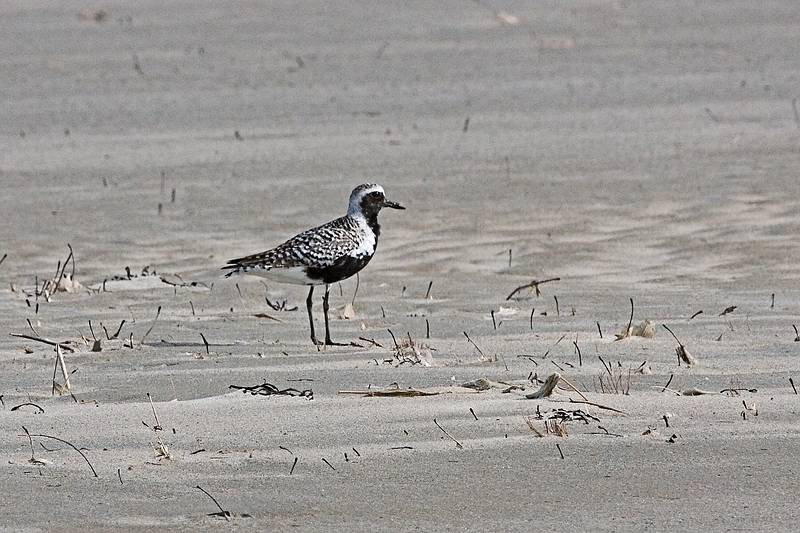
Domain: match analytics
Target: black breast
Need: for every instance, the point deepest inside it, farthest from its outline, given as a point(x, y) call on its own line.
point(342, 268)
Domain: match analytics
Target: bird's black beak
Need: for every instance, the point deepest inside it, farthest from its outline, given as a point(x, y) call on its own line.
point(393, 205)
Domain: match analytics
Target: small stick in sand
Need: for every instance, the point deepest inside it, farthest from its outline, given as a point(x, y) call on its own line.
point(532, 285)
point(30, 325)
point(327, 463)
point(600, 331)
point(681, 351)
point(428, 292)
point(599, 406)
point(606, 366)
point(427, 329)
point(294, 464)
point(494, 322)
point(559, 450)
point(668, 382)
point(458, 444)
point(558, 313)
point(796, 334)
point(791, 382)
point(729, 309)
point(396, 346)
point(580, 357)
point(700, 312)
point(42, 340)
point(475, 345)
point(16, 407)
point(772, 303)
point(561, 338)
point(94, 472)
point(60, 359)
point(473, 413)
point(157, 427)
point(532, 311)
point(3, 258)
point(222, 512)
point(158, 313)
point(205, 342)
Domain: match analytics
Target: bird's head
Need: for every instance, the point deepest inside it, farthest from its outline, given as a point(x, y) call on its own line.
point(368, 199)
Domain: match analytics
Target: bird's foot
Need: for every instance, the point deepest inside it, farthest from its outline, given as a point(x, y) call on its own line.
point(329, 342)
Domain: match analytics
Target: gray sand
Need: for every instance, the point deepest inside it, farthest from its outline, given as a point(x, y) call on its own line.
point(644, 150)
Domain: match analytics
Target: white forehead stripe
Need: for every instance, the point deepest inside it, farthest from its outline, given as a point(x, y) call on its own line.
point(354, 205)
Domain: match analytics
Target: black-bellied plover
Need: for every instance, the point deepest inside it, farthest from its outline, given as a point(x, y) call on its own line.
point(325, 254)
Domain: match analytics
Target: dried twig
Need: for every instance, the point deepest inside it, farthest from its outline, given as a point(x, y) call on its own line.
point(42, 340)
point(475, 345)
point(158, 313)
point(94, 472)
point(222, 512)
point(268, 389)
point(668, 382)
point(458, 444)
point(599, 406)
point(532, 285)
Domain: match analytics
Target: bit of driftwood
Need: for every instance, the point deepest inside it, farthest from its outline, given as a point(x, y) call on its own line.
point(599, 406)
point(3, 258)
point(327, 463)
point(700, 312)
point(16, 407)
point(158, 313)
point(559, 450)
point(546, 389)
point(729, 309)
point(294, 464)
point(389, 393)
point(791, 382)
point(796, 334)
point(473, 413)
point(668, 382)
point(571, 415)
point(43, 340)
point(371, 341)
point(534, 285)
point(627, 333)
point(578, 350)
point(268, 389)
point(458, 444)
point(681, 351)
point(265, 315)
point(30, 435)
point(600, 331)
point(529, 421)
point(734, 391)
point(692, 391)
point(63, 366)
point(222, 512)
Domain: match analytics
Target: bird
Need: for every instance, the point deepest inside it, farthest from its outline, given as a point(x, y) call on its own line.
point(325, 254)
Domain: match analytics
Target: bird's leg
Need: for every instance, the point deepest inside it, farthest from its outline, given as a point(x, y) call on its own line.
point(309, 303)
point(328, 340)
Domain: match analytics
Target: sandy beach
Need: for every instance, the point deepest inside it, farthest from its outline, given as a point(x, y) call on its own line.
point(637, 151)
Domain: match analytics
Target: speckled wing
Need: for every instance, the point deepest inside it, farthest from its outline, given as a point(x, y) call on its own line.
point(318, 247)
